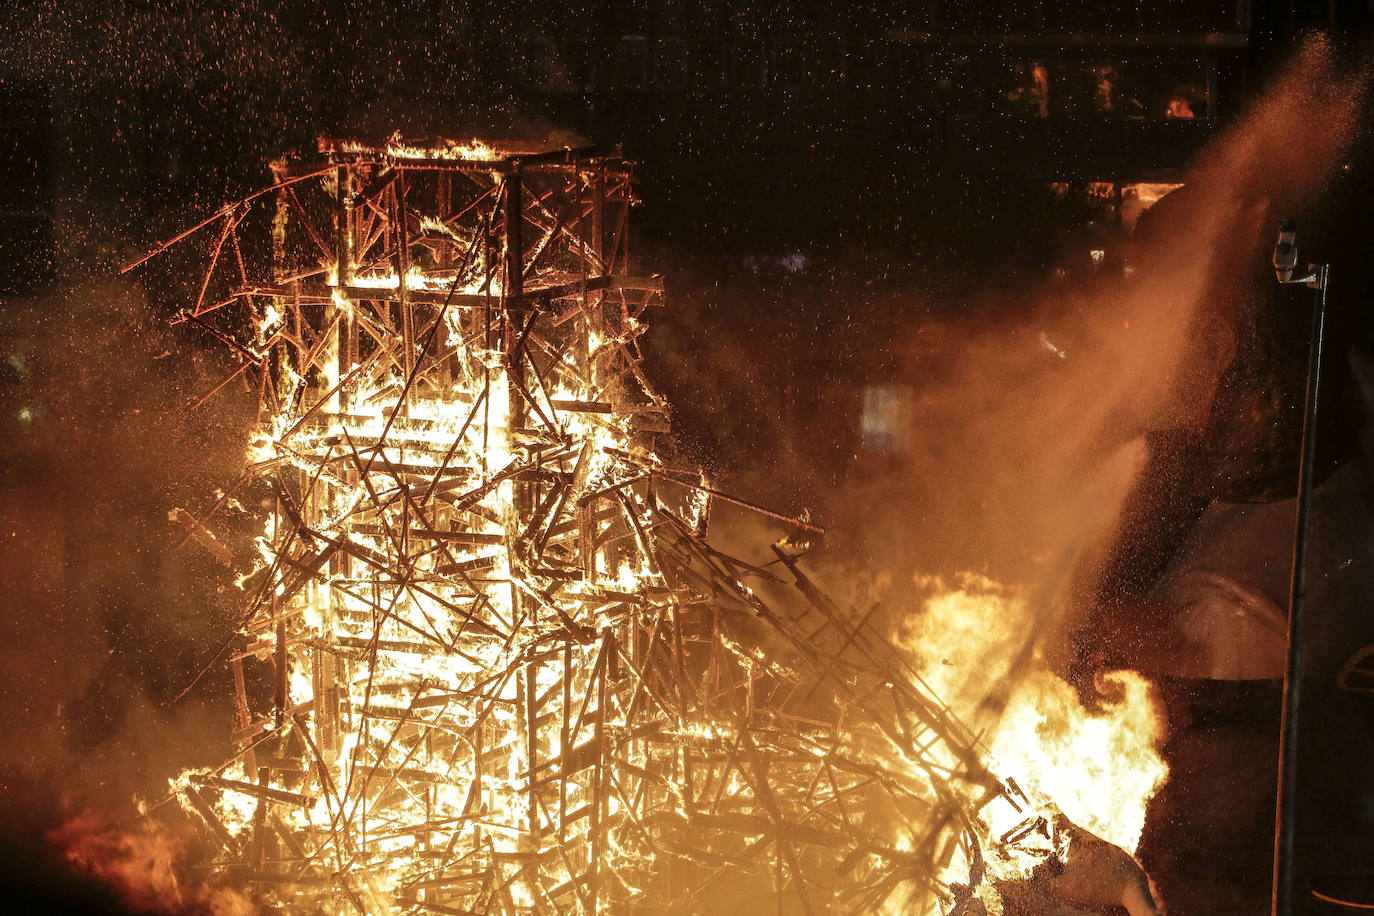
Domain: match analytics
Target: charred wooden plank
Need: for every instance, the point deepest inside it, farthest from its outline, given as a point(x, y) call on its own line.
point(256, 791)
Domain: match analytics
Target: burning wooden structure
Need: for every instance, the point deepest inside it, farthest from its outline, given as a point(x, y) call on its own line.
point(502, 669)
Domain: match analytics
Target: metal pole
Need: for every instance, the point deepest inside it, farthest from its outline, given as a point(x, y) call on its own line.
point(1286, 804)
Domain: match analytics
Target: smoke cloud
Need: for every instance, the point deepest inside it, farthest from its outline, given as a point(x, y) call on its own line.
point(1031, 427)
point(105, 619)
point(1033, 415)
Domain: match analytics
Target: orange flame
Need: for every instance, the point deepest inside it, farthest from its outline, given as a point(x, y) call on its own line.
point(141, 865)
point(975, 640)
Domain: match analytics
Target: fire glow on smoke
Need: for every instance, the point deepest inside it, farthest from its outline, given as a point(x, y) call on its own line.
point(491, 662)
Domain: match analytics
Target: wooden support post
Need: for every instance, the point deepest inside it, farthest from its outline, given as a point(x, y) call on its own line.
point(343, 227)
point(280, 221)
point(586, 538)
point(259, 843)
point(345, 232)
point(529, 683)
point(242, 717)
point(599, 774)
point(599, 219)
point(401, 260)
point(279, 660)
point(444, 208)
point(565, 743)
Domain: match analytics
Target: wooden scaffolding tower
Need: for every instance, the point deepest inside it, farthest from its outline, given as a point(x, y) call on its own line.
point(489, 662)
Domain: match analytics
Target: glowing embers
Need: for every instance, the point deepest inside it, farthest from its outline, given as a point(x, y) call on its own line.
point(397, 147)
point(489, 661)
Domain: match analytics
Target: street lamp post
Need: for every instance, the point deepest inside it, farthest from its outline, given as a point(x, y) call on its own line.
point(1314, 276)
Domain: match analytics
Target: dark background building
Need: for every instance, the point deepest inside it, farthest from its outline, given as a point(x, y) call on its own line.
point(756, 125)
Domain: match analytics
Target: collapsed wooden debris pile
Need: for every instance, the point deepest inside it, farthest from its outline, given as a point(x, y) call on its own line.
point(505, 670)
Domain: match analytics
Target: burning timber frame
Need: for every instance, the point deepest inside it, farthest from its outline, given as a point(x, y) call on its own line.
point(504, 670)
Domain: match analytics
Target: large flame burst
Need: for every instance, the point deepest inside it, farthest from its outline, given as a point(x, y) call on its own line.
point(501, 668)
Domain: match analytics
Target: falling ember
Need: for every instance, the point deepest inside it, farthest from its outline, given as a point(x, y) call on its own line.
point(504, 670)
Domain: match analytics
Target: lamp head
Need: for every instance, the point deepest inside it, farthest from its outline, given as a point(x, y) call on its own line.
point(1286, 251)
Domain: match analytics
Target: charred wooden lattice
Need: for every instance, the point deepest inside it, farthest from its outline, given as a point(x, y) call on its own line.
point(509, 673)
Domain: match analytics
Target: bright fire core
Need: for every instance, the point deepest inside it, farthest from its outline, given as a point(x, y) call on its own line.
point(506, 673)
